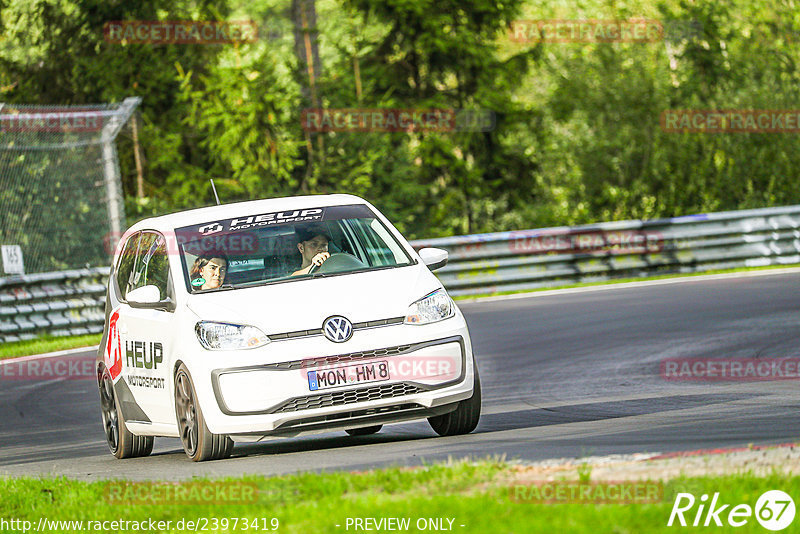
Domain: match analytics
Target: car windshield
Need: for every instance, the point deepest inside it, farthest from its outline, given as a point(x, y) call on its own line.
point(263, 248)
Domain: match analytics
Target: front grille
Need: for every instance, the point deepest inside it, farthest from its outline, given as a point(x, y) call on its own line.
point(341, 398)
point(297, 333)
point(329, 360)
point(355, 414)
point(318, 331)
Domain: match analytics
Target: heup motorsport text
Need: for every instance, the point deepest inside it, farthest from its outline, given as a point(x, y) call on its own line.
point(265, 219)
point(143, 355)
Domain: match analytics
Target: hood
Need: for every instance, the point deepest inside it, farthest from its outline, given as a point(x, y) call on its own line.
point(305, 303)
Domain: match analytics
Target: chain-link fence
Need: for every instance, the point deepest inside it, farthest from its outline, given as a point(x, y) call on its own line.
point(60, 188)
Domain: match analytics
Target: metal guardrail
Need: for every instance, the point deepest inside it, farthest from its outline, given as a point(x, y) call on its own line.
point(61, 303)
point(548, 257)
point(71, 302)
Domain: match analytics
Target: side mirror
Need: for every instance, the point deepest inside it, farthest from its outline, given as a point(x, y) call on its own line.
point(434, 258)
point(149, 297)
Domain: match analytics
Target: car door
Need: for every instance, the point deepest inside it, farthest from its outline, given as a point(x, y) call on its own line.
point(146, 333)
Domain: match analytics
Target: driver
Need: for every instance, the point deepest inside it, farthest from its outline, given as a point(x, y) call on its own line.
point(312, 242)
point(208, 271)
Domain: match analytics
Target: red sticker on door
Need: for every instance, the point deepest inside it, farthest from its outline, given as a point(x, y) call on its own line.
point(113, 355)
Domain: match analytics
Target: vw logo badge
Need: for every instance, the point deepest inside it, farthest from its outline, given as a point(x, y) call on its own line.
point(337, 329)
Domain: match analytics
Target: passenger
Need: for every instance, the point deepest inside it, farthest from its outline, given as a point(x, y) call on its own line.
point(312, 242)
point(208, 271)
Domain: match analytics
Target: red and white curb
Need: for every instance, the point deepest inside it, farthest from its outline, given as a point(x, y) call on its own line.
point(726, 450)
point(647, 457)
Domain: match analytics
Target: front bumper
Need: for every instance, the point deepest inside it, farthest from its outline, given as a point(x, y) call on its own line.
point(431, 370)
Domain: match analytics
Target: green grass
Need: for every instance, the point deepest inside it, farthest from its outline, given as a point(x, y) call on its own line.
point(477, 495)
point(626, 280)
point(47, 344)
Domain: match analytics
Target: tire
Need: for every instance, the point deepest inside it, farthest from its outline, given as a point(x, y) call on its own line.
point(120, 441)
point(465, 418)
point(198, 442)
point(364, 430)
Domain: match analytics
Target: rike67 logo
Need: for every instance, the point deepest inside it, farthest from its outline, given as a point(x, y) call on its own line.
point(774, 510)
point(113, 353)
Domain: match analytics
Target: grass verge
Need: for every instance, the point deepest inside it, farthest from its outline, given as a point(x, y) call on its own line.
point(627, 280)
point(47, 344)
point(461, 496)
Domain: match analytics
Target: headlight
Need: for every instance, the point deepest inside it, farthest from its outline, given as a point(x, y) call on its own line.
point(436, 306)
point(225, 336)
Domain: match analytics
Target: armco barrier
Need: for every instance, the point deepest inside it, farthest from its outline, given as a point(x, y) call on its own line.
point(531, 259)
point(63, 303)
point(71, 302)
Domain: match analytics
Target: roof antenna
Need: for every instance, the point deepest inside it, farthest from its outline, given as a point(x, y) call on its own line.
point(214, 189)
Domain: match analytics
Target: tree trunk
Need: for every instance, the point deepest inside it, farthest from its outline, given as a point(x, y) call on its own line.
point(138, 158)
point(306, 44)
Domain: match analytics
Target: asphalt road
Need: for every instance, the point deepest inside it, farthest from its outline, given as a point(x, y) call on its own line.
point(564, 375)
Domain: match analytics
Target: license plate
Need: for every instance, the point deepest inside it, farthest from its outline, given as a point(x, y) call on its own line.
point(347, 375)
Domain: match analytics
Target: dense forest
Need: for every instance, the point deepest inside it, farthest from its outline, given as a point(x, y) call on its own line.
point(575, 135)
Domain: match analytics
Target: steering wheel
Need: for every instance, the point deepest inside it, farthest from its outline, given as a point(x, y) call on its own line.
point(339, 261)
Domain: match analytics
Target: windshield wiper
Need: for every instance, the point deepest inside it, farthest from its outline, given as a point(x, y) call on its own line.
point(223, 287)
point(367, 269)
point(255, 283)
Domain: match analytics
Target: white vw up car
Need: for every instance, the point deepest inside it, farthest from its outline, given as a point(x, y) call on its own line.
point(278, 317)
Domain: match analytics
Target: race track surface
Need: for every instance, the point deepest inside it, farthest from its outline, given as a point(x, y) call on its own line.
point(564, 375)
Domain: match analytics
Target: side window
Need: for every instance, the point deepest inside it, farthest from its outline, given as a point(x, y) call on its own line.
point(376, 249)
point(126, 261)
point(152, 265)
point(389, 248)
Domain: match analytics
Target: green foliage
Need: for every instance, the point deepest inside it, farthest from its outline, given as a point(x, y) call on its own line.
point(576, 140)
point(244, 119)
point(613, 161)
